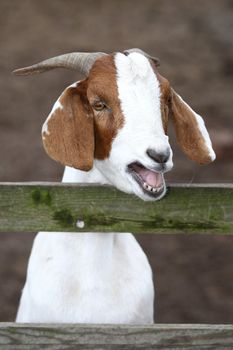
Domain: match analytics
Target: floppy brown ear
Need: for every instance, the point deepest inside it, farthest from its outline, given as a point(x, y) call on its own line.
point(68, 132)
point(191, 132)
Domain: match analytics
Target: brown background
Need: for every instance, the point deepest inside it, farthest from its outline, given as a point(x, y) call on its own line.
point(193, 39)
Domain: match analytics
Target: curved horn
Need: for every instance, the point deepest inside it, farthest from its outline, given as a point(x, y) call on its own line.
point(154, 59)
point(80, 61)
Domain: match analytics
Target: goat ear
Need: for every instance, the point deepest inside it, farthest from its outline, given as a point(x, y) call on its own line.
point(68, 132)
point(191, 132)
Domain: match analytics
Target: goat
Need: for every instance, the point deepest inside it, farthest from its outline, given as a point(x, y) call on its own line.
point(110, 128)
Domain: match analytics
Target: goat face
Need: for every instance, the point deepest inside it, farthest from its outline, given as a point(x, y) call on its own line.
point(139, 152)
point(117, 119)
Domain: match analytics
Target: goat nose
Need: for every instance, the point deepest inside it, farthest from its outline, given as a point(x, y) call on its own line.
point(158, 157)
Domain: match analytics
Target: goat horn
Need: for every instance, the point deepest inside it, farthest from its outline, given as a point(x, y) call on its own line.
point(81, 61)
point(154, 59)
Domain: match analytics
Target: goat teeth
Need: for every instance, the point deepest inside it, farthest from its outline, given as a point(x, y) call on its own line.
point(155, 189)
point(149, 187)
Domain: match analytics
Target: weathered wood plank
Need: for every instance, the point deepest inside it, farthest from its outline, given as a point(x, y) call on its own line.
point(26, 207)
point(158, 336)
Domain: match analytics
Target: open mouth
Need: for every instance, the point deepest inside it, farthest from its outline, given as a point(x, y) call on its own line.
point(151, 182)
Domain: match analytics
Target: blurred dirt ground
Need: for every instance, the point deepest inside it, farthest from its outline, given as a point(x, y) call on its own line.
point(193, 39)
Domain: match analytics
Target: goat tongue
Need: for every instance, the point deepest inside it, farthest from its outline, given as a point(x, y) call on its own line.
point(150, 177)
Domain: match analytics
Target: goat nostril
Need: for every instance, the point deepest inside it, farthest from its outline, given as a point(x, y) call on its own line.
point(158, 157)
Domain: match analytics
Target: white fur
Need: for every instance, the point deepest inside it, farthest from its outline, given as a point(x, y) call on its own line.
point(139, 95)
point(103, 277)
point(87, 277)
point(203, 130)
point(57, 105)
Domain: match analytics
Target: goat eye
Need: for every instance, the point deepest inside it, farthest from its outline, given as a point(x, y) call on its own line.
point(99, 105)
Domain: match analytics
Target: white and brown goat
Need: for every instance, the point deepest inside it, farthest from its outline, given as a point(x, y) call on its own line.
point(109, 128)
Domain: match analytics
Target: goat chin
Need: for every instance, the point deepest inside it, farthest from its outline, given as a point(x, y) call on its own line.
point(125, 181)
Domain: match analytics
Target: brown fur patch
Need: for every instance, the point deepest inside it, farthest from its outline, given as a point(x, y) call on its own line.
point(77, 133)
point(102, 85)
point(188, 134)
point(164, 97)
point(187, 131)
point(165, 100)
point(70, 137)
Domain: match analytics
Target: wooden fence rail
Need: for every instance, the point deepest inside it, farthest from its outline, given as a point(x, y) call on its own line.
point(119, 337)
point(26, 207)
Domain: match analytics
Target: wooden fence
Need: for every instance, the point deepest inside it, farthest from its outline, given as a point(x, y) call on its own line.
point(200, 209)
